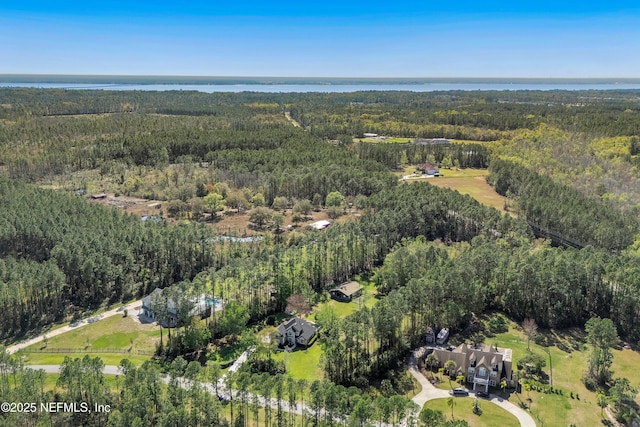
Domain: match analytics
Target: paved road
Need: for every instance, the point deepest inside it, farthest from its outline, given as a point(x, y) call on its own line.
point(79, 324)
point(429, 392)
point(222, 389)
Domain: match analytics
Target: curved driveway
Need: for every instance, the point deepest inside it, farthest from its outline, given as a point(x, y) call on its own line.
point(429, 392)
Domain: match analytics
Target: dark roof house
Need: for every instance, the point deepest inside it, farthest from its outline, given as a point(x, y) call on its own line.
point(296, 331)
point(346, 292)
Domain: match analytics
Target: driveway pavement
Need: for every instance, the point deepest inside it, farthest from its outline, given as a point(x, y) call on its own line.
point(429, 392)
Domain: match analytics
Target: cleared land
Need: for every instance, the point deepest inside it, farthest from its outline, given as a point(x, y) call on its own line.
point(471, 182)
point(343, 309)
point(467, 181)
point(117, 332)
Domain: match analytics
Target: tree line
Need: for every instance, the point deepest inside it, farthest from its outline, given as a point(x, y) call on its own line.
point(561, 210)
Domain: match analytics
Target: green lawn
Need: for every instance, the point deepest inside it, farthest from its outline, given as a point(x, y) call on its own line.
point(303, 364)
point(576, 404)
point(343, 309)
point(115, 332)
point(625, 365)
point(492, 415)
point(556, 409)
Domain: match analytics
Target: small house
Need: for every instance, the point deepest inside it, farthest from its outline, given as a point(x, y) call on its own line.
point(346, 292)
point(429, 169)
point(296, 331)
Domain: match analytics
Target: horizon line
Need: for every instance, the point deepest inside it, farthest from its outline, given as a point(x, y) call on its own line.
point(56, 76)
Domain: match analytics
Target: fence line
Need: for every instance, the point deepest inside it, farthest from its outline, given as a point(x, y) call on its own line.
point(92, 350)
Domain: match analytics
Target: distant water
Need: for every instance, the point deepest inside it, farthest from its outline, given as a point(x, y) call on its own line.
point(333, 88)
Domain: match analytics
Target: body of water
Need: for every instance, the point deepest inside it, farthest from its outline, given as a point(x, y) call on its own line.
point(332, 88)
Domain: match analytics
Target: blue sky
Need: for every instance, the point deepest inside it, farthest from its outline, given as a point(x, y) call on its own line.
point(322, 38)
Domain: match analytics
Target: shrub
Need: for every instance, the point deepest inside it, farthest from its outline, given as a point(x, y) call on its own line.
point(589, 382)
point(498, 324)
point(532, 363)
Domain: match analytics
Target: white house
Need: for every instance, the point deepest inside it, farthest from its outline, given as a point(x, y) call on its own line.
point(195, 305)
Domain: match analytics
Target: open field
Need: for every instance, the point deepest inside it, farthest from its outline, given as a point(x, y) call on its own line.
point(491, 416)
point(384, 140)
point(116, 332)
point(473, 183)
point(466, 181)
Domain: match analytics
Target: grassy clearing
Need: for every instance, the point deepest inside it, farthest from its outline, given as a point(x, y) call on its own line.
point(384, 140)
point(474, 184)
point(467, 181)
point(116, 332)
point(625, 365)
point(344, 309)
point(492, 415)
point(303, 364)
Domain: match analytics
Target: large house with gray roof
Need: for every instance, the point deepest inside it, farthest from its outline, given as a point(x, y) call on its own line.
point(482, 365)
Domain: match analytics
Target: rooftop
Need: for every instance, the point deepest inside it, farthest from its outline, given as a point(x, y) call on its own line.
point(348, 288)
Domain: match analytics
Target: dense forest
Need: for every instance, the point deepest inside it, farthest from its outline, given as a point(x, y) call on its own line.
point(436, 257)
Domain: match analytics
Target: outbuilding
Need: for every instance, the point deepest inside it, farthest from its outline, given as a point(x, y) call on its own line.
point(347, 291)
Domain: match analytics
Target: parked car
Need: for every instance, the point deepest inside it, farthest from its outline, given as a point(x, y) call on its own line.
point(459, 391)
point(224, 398)
point(482, 394)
